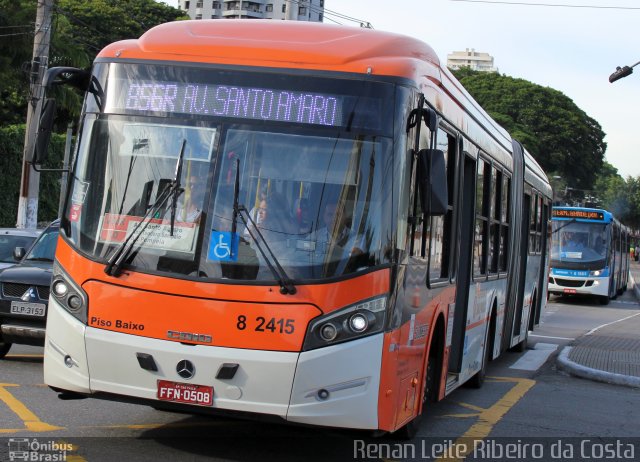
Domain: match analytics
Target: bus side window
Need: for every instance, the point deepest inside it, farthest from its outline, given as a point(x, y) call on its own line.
point(481, 235)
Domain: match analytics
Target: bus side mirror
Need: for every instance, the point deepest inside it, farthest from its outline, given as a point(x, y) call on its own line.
point(45, 127)
point(433, 181)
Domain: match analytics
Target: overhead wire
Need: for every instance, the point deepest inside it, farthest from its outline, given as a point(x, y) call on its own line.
point(327, 12)
point(553, 5)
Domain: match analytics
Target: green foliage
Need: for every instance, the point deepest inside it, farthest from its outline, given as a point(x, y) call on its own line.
point(80, 29)
point(11, 146)
point(93, 24)
point(17, 19)
point(559, 135)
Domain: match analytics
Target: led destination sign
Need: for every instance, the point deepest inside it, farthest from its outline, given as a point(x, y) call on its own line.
point(232, 101)
point(582, 214)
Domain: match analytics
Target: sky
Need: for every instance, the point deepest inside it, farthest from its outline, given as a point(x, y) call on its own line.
point(571, 49)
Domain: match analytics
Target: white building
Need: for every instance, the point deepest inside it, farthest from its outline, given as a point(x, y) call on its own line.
point(299, 10)
point(471, 58)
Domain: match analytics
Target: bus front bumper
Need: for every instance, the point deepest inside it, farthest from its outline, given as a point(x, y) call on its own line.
point(578, 286)
point(336, 386)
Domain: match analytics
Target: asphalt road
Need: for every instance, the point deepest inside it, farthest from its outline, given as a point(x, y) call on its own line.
point(525, 399)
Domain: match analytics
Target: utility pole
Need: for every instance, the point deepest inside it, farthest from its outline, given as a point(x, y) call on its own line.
point(30, 182)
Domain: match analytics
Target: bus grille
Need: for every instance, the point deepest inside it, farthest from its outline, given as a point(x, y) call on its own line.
point(569, 283)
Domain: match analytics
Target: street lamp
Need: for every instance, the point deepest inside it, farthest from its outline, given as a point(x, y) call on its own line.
point(622, 72)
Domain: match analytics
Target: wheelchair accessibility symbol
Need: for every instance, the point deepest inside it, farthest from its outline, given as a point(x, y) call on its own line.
point(223, 246)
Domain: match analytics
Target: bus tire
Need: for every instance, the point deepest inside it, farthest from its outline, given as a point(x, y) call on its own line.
point(4, 348)
point(478, 380)
point(521, 346)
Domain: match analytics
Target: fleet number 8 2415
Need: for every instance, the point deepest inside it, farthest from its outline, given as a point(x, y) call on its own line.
point(262, 324)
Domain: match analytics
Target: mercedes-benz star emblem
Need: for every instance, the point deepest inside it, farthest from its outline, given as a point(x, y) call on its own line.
point(185, 369)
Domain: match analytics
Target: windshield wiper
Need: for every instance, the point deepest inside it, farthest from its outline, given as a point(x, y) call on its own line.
point(239, 210)
point(177, 190)
point(172, 189)
point(573, 220)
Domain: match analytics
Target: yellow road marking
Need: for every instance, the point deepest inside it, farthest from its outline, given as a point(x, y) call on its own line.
point(472, 407)
point(31, 421)
point(25, 356)
point(71, 457)
point(464, 445)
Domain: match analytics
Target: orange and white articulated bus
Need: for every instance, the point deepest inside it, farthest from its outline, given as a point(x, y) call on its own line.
point(305, 221)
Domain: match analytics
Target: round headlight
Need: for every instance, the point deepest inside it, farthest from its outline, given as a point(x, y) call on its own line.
point(74, 302)
point(328, 332)
point(358, 322)
point(60, 288)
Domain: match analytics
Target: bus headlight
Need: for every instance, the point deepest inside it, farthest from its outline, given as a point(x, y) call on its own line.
point(599, 273)
point(354, 321)
point(70, 296)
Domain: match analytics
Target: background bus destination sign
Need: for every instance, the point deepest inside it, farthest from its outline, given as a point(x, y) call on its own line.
point(583, 214)
point(231, 101)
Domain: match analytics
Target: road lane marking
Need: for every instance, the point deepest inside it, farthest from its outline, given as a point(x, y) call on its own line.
point(71, 457)
point(31, 421)
point(548, 336)
point(610, 323)
point(488, 418)
point(24, 356)
point(532, 360)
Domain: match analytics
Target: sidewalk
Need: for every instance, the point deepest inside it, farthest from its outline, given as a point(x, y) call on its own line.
point(610, 353)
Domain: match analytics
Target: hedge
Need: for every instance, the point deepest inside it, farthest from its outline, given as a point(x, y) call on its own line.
point(11, 152)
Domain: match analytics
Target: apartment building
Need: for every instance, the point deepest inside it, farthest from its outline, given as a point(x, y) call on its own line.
point(296, 10)
point(471, 58)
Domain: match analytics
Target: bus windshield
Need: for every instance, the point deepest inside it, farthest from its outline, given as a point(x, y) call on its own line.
point(315, 197)
point(579, 242)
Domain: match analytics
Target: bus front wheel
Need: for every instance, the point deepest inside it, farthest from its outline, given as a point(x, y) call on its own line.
point(4, 348)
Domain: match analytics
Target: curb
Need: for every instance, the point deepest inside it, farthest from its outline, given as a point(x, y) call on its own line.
point(579, 370)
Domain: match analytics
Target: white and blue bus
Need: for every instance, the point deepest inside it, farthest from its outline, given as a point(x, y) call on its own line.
point(589, 253)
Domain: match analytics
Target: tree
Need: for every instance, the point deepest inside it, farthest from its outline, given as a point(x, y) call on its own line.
point(17, 19)
point(11, 140)
point(93, 24)
point(80, 29)
point(559, 135)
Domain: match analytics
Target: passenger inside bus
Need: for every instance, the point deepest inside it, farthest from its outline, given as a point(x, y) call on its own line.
point(190, 210)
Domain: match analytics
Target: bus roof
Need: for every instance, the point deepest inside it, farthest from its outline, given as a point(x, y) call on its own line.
point(303, 45)
point(268, 43)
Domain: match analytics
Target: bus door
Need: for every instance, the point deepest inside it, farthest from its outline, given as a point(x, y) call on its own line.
point(522, 269)
point(466, 226)
point(534, 319)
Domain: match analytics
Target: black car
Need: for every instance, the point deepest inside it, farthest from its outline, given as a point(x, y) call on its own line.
point(24, 292)
point(10, 238)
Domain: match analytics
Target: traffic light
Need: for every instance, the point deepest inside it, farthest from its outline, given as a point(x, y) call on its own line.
point(620, 73)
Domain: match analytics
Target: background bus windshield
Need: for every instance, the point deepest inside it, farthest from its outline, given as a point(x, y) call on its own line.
point(578, 242)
